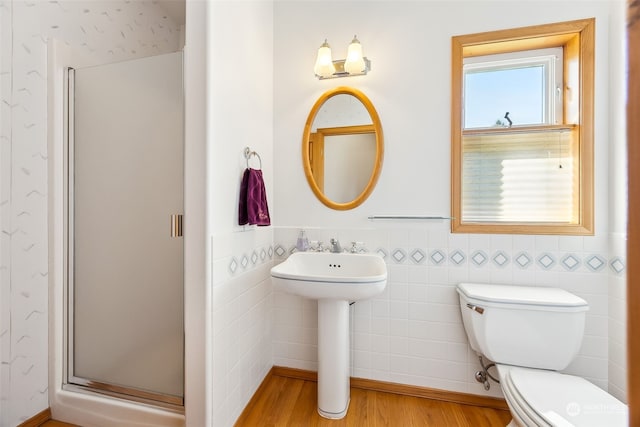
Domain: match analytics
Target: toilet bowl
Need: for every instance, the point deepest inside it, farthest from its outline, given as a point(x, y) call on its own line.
point(530, 333)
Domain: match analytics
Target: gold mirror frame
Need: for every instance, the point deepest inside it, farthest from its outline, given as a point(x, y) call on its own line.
point(306, 162)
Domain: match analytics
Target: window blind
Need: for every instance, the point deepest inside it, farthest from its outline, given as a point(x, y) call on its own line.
point(519, 176)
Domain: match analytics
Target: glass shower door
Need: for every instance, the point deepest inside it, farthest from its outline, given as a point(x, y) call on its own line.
point(125, 253)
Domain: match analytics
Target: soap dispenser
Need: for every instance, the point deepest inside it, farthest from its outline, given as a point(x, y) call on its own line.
point(302, 245)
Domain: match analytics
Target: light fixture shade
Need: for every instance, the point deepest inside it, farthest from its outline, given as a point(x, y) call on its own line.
point(354, 64)
point(324, 63)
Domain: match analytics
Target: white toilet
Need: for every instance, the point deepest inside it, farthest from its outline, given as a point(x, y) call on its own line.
point(530, 332)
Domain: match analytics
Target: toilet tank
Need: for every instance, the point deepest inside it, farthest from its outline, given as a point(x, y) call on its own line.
point(530, 326)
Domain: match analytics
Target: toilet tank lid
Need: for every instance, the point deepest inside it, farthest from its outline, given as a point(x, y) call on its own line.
point(530, 295)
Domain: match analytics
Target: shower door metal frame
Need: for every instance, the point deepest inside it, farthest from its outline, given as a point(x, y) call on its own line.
point(72, 382)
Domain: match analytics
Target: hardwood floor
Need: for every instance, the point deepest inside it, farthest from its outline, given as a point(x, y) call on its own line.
point(283, 401)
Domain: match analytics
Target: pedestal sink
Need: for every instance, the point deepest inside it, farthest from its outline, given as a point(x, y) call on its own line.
point(334, 279)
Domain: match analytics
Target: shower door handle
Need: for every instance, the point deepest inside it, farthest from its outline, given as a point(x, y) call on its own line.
point(176, 225)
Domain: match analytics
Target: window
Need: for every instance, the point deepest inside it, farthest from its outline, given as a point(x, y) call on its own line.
point(525, 84)
point(522, 130)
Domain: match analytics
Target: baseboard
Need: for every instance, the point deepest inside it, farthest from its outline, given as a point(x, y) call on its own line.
point(299, 374)
point(249, 407)
point(38, 419)
point(403, 389)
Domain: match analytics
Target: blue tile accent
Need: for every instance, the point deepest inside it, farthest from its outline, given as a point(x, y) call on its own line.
point(418, 256)
point(500, 259)
point(457, 257)
point(437, 257)
point(280, 251)
point(570, 262)
point(398, 256)
point(479, 258)
point(233, 266)
point(546, 261)
point(523, 260)
point(595, 263)
point(617, 265)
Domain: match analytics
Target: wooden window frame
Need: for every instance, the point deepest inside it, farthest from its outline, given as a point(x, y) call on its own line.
point(577, 38)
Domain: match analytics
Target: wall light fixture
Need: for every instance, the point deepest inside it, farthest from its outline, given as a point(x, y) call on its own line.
point(354, 65)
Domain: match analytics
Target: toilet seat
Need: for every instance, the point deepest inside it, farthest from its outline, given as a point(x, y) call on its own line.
point(547, 398)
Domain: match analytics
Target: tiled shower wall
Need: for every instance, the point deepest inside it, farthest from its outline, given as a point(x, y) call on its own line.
point(413, 333)
point(106, 31)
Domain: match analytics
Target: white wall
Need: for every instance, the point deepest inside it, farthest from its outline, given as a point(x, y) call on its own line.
point(412, 333)
point(105, 31)
point(240, 114)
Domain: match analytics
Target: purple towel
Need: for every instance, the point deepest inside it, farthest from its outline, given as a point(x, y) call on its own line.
point(253, 207)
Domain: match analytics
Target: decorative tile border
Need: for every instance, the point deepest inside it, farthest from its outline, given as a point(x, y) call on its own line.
point(280, 251)
point(457, 257)
point(398, 256)
point(617, 265)
point(546, 261)
point(233, 265)
point(383, 253)
point(477, 258)
point(418, 256)
point(500, 259)
point(244, 262)
point(523, 260)
point(437, 257)
point(570, 262)
point(595, 263)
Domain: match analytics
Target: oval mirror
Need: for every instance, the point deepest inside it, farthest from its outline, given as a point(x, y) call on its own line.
point(342, 148)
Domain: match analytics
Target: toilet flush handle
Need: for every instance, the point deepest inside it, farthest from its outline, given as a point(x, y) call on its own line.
point(475, 308)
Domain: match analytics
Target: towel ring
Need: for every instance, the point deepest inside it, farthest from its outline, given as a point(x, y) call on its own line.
point(248, 153)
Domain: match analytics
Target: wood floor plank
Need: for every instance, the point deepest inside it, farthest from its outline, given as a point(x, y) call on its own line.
point(266, 402)
point(477, 417)
point(358, 413)
point(286, 401)
point(432, 413)
point(305, 409)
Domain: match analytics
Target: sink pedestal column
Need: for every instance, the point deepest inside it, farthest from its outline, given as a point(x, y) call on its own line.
point(333, 358)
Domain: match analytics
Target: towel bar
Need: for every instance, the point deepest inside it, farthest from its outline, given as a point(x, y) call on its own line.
point(408, 217)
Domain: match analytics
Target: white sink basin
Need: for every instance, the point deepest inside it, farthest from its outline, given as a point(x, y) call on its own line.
point(324, 275)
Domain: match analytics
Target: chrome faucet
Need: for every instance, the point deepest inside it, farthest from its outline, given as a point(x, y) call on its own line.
point(335, 246)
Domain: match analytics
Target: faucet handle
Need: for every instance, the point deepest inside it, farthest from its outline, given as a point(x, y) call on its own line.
point(356, 247)
point(316, 246)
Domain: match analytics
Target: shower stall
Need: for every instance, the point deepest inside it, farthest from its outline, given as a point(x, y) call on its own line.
point(124, 247)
